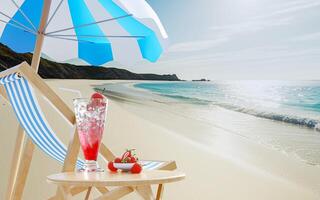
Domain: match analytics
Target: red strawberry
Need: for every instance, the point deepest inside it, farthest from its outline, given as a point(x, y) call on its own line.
point(132, 159)
point(111, 167)
point(136, 168)
point(97, 95)
point(117, 160)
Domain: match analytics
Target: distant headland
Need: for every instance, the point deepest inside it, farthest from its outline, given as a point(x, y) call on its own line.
point(202, 80)
point(53, 70)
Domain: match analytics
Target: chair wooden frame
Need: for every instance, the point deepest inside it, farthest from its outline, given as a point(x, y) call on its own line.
point(24, 147)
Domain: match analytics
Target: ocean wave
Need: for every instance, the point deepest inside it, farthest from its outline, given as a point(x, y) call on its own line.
point(291, 119)
point(189, 99)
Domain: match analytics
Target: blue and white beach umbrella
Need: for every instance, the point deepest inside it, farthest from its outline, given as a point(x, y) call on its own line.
point(96, 31)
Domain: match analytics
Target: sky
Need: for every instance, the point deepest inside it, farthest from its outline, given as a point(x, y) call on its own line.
point(232, 39)
point(239, 39)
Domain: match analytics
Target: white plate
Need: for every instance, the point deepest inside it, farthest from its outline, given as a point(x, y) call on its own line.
point(123, 166)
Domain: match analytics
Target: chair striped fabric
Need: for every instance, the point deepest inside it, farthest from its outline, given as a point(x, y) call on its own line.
point(32, 120)
point(30, 116)
point(151, 165)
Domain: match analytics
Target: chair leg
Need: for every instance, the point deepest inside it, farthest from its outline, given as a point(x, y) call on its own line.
point(72, 153)
point(106, 152)
point(23, 170)
point(15, 162)
point(88, 193)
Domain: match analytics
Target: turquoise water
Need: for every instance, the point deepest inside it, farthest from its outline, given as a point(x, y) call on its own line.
point(294, 102)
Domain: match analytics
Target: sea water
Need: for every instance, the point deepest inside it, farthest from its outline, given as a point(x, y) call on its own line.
point(282, 114)
point(286, 101)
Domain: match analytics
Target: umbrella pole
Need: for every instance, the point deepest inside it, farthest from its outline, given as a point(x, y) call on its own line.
point(20, 171)
point(40, 35)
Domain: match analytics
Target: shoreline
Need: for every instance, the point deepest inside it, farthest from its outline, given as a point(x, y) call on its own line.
point(312, 122)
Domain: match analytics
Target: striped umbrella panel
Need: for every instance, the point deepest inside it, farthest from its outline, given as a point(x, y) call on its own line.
point(95, 31)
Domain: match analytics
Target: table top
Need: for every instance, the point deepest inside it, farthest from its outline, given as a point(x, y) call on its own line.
point(115, 178)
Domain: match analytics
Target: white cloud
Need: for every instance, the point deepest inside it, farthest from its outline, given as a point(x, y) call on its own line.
point(258, 56)
point(224, 33)
point(196, 45)
point(307, 37)
point(251, 26)
point(293, 6)
point(282, 15)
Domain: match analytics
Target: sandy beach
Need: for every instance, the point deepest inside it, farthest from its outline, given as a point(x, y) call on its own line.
point(229, 167)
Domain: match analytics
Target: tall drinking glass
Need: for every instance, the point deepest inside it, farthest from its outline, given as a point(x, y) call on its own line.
point(90, 118)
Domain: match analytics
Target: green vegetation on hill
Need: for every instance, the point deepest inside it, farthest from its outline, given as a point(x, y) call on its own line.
point(49, 69)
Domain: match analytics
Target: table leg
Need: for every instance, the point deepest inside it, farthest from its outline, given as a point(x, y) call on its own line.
point(160, 191)
point(65, 192)
point(88, 193)
point(145, 192)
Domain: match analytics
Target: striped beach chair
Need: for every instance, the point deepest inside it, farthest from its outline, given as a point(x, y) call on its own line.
point(31, 118)
point(19, 83)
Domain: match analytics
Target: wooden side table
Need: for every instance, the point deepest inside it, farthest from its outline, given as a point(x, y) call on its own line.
point(126, 182)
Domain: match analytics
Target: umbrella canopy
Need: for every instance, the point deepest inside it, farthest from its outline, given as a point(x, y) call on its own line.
point(96, 31)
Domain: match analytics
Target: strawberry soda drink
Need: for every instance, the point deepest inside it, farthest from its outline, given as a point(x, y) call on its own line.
point(90, 117)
